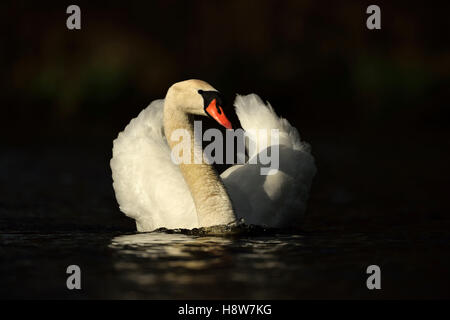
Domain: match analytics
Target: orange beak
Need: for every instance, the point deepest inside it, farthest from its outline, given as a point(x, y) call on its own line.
point(217, 114)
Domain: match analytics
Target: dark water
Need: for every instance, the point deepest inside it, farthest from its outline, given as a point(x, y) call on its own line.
point(57, 209)
point(176, 265)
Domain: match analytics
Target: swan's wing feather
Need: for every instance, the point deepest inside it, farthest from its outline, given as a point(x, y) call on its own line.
point(276, 200)
point(149, 187)
point(254, 114)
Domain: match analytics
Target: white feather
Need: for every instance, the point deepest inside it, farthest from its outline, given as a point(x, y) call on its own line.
point(150, 188)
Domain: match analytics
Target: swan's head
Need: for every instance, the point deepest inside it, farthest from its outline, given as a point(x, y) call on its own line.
point(200, 98)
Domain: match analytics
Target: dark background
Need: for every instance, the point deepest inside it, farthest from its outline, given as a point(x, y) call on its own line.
point(316, 62)
point(374, 104)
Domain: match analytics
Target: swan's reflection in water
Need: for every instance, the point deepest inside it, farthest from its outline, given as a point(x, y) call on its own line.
point(158, 258)
point(180, 265)
point(174, 250)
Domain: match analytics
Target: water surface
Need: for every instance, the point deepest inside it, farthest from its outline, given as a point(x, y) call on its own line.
point(169, 264)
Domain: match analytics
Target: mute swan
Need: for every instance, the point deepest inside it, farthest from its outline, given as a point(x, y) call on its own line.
point(157, 193)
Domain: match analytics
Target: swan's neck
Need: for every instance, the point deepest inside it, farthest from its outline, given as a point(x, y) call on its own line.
point(210, 196)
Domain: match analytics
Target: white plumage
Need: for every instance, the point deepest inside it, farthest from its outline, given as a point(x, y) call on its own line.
point(151, 189)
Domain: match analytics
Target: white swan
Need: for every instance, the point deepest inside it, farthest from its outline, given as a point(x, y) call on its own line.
point(156, 192)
